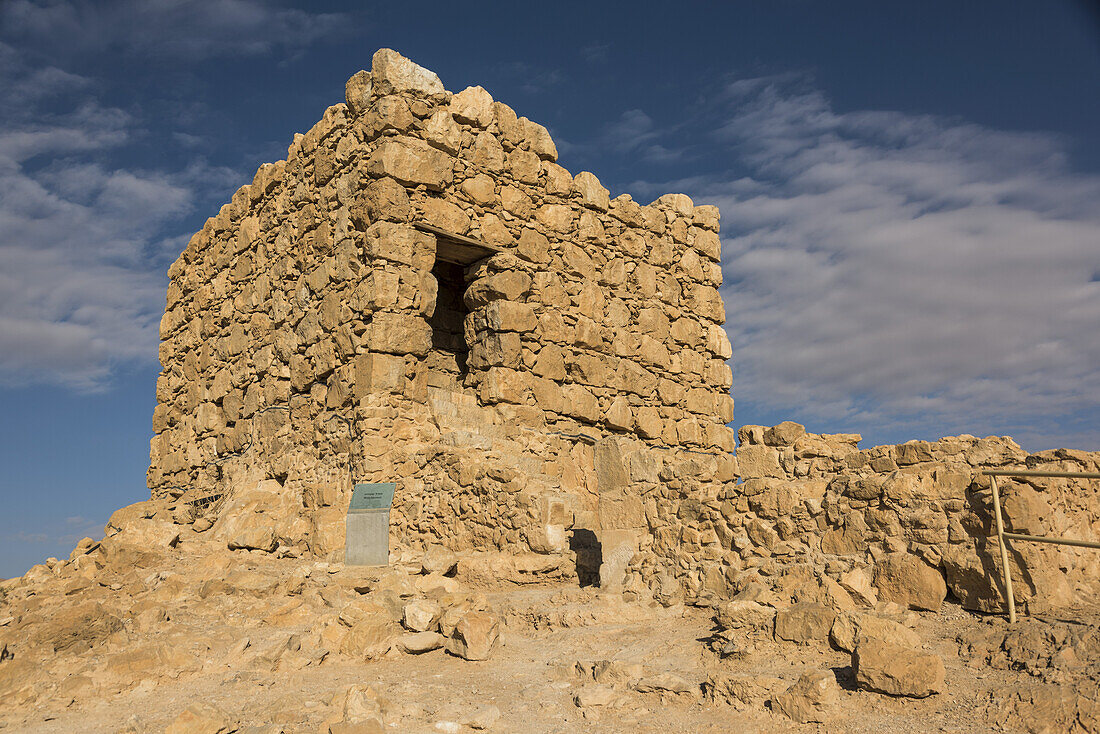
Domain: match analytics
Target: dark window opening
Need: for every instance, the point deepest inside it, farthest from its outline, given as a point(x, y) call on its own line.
point(447, 360)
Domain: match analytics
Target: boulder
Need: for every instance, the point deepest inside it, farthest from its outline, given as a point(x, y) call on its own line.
point(804, 622)
point(895, 670)
point(260, 515)
point(420, 642)
point(474, 636)
point(907, 580)
point(808, 699)
point(784, 434)
point(740, 690)
point(392, 73)
point(421, 615)
point(857, 582)
point(439, 560)
point(849, 628)
point(744, 614)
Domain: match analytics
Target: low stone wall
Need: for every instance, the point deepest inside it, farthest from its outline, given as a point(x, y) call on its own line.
point(819, 501)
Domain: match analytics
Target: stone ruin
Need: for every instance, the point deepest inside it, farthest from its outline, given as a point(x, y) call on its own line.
point(420, 294)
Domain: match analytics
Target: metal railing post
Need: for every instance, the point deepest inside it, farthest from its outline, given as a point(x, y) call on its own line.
point(1002, 536)
point(1004, 552)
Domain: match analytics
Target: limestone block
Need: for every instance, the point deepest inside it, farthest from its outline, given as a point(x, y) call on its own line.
point(416, 643)
point(589, 227)
point(849, 628)
point(503, 385)
point(373, 372)
point(592, 194)
point(357, 92)
point(509, 316)
point(445, 215)
point(421, 615)
point(757, 460)
point(550, 363)
point(488, 153)
point(494, 231)
point(443, 132)
point(474, 636)
point(745, 614)
point(708, 245)
point(906, 579)
point(399, 333)
point(556, 217)
point(896, 670)
point(681, 204)
point(804, 623)
point(559, 182)
point(810, 698)
point(412, 162)
point(481, 190)
point(392, 73)
point(649, 422)
point(387, 113)
point(580, 403)
point(547, 393)
point(707, 216)
point(538, 140)
point(508, 124)
point(524, 166)
point(380, 199)
point(858, 583)
point(259, 516)
point(617, 547)
point(510, 285)
point(401, 244)
point(706, 302)
point(515, 202)
point(913, 452)
point(533, 246)
point(473, 106)
point(201, 718)
point(498, 349)
point(619, 416)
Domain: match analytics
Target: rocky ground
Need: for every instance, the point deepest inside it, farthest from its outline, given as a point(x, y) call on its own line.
point(147, 631)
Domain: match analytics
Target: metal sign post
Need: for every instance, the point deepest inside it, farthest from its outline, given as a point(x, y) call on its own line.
point(368, 526)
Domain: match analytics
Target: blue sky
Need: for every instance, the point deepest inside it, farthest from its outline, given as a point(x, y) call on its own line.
point(910, 197)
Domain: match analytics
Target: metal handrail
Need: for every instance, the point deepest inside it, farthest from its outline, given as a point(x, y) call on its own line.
point(1002, 535)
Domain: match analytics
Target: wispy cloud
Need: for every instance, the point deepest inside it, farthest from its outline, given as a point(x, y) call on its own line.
point(81, 256)
point(185, 29)
point(904, 273)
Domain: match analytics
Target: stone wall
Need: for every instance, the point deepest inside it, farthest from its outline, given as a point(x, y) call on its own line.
point(819, 501)
point(420, 294)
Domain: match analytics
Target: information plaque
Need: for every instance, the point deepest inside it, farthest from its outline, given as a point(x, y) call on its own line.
point(372, 496)
point(368, 525)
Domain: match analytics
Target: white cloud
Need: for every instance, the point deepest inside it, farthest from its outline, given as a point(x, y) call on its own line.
point(889, 270)
point(82, 252)
point(185, 29)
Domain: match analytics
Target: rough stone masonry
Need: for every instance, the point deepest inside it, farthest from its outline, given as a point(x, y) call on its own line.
point(419, 294)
